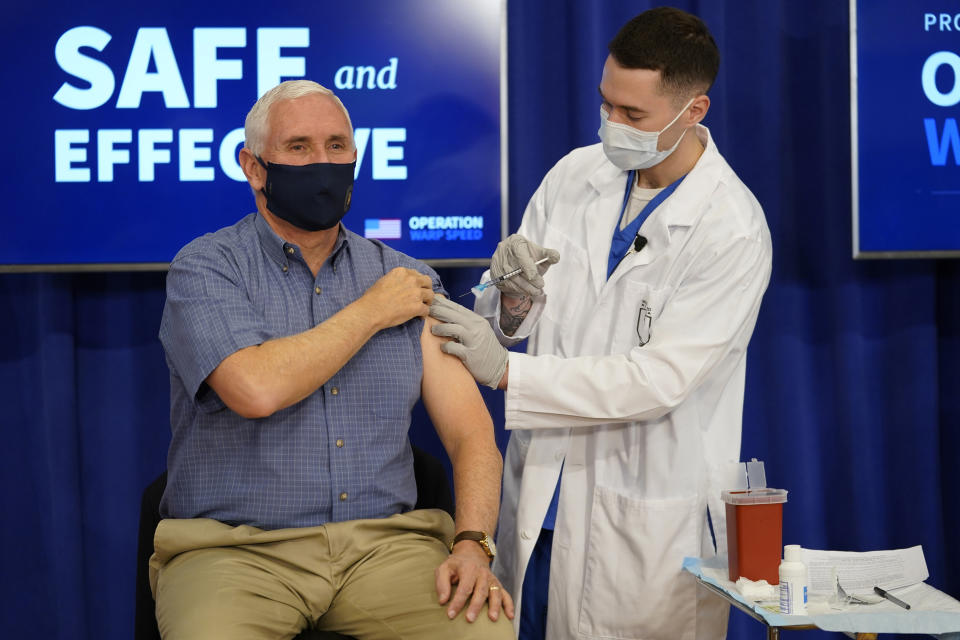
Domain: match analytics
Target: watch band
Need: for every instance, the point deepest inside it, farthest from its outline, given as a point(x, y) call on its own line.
point(480, 537)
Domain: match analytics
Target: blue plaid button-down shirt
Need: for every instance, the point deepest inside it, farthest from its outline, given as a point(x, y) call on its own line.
point(340, 454)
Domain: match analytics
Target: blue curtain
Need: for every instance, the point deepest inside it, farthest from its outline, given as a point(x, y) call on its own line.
point(853, 397)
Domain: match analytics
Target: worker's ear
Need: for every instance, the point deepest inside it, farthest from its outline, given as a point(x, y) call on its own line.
point(697, 110)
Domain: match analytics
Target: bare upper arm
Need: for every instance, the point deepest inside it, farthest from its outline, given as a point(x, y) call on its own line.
point(450, 394)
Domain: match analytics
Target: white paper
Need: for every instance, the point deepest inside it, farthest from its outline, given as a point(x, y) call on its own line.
point(859, 573)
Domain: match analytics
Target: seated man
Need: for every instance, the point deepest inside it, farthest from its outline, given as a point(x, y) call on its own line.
point(296, 352)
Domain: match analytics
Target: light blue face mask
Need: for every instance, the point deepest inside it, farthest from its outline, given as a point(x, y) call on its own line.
point(629, 148)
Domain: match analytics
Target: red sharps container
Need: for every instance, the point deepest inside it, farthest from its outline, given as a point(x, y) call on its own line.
point(754, 533)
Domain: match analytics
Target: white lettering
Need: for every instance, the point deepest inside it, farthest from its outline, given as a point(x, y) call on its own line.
point(366, 72)
point(152, 43)
point(228, 155)
point(208, 68)
point(98, 74)
point(445, 222)
point(388, 71)
point(343, 79)
point(194, 147)
point(941, 21)
point(107, 155)
point(273, 67)
point(360, 138)
point(928, 78)
point(385, 78)
point(65, 154)
point(148, 155)
point(190, 154)
point(384, 152)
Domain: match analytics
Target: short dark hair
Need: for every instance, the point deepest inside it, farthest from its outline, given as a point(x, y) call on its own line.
point(673, 42)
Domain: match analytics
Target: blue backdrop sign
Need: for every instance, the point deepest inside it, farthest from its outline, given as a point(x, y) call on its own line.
point(906, 144)
point(126, 120)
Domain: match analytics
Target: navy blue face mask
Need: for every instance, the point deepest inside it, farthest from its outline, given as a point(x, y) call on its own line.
point(311, 196)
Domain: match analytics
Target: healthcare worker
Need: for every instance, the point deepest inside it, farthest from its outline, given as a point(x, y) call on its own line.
point(653, 259)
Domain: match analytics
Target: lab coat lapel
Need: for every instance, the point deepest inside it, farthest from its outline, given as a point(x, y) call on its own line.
point(657, 240)
point(601, 218)
point(656, 232)
point(678, 212)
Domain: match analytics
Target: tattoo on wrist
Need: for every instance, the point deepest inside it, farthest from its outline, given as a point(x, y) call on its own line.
point(513, 310)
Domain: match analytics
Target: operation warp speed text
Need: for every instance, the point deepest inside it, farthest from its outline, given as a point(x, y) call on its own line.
point(446, 228)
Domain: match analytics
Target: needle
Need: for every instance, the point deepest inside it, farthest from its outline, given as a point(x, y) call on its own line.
point(483, 285)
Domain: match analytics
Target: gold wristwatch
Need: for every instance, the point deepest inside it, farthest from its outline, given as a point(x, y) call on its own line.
point(481, 538)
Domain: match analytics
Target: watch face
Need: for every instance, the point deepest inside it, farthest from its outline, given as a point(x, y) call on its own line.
point(481, 538)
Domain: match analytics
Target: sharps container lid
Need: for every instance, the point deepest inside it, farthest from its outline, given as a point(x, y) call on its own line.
point(754, 496)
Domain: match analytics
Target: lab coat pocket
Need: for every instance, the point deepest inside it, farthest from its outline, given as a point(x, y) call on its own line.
point(632, 587)
point(640, 307)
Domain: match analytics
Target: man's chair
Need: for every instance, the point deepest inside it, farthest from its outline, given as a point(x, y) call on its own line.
point(433, 492)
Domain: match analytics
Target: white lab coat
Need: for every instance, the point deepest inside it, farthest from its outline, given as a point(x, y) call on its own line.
point(641, 432)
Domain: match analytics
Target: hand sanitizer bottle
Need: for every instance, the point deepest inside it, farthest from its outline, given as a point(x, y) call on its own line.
point(793, 582)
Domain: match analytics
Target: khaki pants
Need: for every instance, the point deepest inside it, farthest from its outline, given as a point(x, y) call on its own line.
point(369, 579)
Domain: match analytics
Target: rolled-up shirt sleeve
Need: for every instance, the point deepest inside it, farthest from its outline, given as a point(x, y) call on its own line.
point(208, 316)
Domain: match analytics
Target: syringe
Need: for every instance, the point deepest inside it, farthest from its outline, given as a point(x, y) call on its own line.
point(478, 289)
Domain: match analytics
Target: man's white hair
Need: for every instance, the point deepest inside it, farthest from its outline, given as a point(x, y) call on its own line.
point(257, 122)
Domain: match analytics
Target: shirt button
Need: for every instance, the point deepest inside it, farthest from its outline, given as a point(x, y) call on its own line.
point(335, 391)
point(525, 534)
point(343, 497)
point(290, 250)
point(285, 268)
point(317, 290)
point(340, 443)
